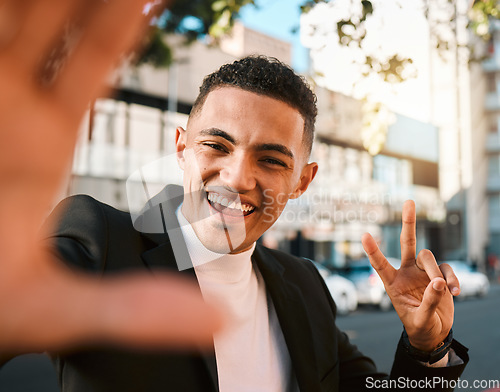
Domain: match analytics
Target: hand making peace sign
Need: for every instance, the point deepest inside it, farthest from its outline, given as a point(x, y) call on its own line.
point(421, 291)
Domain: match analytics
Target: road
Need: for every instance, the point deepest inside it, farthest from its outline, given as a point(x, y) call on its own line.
point(477, 325)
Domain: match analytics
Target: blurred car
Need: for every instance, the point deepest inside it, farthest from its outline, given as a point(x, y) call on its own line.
point(369, 286)
point(472, 282)
point(341, 289)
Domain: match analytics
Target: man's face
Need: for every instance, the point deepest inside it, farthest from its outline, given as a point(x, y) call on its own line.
point(247, 149)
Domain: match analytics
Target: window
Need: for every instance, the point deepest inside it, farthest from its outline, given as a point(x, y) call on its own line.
point(494, 166)
point(494, 204)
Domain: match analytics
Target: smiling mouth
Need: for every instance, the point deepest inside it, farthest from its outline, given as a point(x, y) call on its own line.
point(225, 206)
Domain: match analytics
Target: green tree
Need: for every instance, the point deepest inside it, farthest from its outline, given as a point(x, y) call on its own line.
point(192, 19)
point(482, 14)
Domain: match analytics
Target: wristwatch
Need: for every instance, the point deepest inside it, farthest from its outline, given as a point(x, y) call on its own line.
point(425, 356)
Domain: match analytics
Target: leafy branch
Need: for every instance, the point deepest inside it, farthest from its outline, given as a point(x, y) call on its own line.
point(192, 19)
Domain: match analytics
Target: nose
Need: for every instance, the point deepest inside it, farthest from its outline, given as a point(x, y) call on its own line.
point(238, 173)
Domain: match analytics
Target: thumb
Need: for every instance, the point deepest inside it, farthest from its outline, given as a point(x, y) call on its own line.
point(433, 294)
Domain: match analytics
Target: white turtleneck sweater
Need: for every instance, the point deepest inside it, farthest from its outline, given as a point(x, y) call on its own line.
point(251, 351)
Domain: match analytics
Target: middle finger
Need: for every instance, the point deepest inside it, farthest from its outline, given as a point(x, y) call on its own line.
point(408, 237)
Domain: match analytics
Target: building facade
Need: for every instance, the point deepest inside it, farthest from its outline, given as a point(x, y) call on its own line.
point(491, 121)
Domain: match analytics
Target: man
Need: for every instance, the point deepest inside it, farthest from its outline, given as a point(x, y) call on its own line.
point(244, 153)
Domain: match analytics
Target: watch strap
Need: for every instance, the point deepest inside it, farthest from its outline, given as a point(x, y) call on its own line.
point(425, 356)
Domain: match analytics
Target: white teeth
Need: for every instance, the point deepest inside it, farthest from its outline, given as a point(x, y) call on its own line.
point(216, 198)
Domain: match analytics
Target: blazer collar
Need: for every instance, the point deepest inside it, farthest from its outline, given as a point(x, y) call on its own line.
point(292, 315)
point(158, 223)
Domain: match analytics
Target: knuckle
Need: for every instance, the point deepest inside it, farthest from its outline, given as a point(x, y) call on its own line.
point(371, 253)
point(380, 265)
point(425, 254)
point(408, 241)
point(408, 221)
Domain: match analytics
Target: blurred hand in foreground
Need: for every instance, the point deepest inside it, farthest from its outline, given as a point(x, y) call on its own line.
point(47, 79)
point(421, 291)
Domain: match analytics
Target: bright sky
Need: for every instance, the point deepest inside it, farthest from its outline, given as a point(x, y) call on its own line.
point(392, 29)
point(396, 29)
point(277, 18)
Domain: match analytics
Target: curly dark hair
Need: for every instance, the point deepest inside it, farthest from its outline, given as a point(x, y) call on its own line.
point(270, 77)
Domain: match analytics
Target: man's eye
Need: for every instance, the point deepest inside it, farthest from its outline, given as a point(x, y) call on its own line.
point(273, 161)
point(216, 146)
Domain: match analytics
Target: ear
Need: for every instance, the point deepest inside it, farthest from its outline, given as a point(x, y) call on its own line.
point(308, 173)
point(180, 145)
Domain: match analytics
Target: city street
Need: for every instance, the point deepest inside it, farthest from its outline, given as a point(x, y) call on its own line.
point(376, 334)
point(476, 326)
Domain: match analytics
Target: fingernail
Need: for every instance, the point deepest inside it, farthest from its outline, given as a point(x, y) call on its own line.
point(437, 286)
point(455, 291)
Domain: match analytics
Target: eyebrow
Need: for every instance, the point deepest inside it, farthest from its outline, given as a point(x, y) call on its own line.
point(261, 147)
point(275, 147)
point(218, 132)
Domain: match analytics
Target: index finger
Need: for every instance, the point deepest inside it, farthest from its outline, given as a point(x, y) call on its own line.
point(377, 259)
point(408, 238)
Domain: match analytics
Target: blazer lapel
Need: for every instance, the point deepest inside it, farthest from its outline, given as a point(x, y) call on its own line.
point(162, 256)
point(293, 318)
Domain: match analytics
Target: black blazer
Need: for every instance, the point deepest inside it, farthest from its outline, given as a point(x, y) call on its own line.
point(102, 240)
